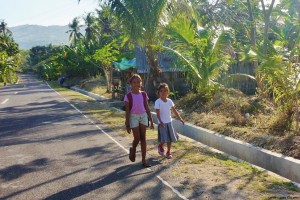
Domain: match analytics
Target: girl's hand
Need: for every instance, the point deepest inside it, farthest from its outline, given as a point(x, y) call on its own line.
point(162, 125)
point(128, 129)
point(152, 125)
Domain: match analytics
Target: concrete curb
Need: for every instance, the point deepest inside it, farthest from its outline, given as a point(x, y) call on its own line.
point(287, 167)
point(90, 94)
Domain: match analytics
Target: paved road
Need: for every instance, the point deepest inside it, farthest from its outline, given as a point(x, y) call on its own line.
point(49, 150)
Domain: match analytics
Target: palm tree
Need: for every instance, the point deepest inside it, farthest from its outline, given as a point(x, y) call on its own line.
point(107, 22)
point(91, 31)
point(74, 31)
point(142, 21)
point(206, 52)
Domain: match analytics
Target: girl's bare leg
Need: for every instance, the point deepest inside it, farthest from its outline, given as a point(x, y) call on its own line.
point(143, 141)
point(136, 138)
point(161, 144)
point(169, 144)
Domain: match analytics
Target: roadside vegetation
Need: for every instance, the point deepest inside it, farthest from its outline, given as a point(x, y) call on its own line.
point(224, 47)
point(196, 170)
point(10, 58)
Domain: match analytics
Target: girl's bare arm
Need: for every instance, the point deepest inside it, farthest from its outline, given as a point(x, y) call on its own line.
point(158, 118)
point(127, 113)
point(177, 114)
point(149, 116)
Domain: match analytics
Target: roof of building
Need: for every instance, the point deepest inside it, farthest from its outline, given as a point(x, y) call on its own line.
point(164, 60)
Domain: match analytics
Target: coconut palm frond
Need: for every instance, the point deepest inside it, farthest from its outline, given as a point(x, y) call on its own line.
point(182, 30)
point(74, 31)
point(123, 10)
point(185, 60)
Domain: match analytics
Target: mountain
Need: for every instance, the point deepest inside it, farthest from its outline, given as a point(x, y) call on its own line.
point(28, 36)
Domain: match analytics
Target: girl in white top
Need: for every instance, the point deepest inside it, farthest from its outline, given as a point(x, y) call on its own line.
point(166, 133)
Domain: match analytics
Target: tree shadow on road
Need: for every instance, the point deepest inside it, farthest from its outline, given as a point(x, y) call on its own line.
point(120, 173)
point(16, 171)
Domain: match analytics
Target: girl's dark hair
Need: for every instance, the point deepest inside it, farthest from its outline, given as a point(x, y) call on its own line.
point(163, 85)
point(135, 76)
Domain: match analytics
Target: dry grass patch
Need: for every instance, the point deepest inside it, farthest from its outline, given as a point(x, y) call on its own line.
point(226, 114)
point(96, 86)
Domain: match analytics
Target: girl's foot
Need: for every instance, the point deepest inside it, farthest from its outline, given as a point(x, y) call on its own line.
point(168, 155)
point(146, 164)
point(131, 154)
point(160, 150)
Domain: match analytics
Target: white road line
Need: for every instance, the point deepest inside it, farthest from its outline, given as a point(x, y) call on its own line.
point(123, 170)
point(6, 100)
point(174, 190)
point(127, 151)
point(120, 145)
point(47, 122)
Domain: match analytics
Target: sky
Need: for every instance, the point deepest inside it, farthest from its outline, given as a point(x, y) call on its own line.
point(44, 12)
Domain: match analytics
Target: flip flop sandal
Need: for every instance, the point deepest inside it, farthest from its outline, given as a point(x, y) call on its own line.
point(131, 154)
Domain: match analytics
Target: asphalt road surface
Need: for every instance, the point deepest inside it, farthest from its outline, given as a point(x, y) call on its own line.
point(50, 150)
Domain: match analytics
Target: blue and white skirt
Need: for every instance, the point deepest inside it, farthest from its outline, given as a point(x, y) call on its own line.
point(167, 134)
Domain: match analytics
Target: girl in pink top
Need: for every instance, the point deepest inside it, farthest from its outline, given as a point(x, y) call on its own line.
point(137, 115)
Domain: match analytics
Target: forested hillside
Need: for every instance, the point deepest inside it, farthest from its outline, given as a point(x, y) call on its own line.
point(28, 36)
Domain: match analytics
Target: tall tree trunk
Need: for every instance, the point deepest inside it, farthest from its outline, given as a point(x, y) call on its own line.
point(252, 24)
point(267, 14)
point(108, 76)
point(153, 76)
point(253, 44)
